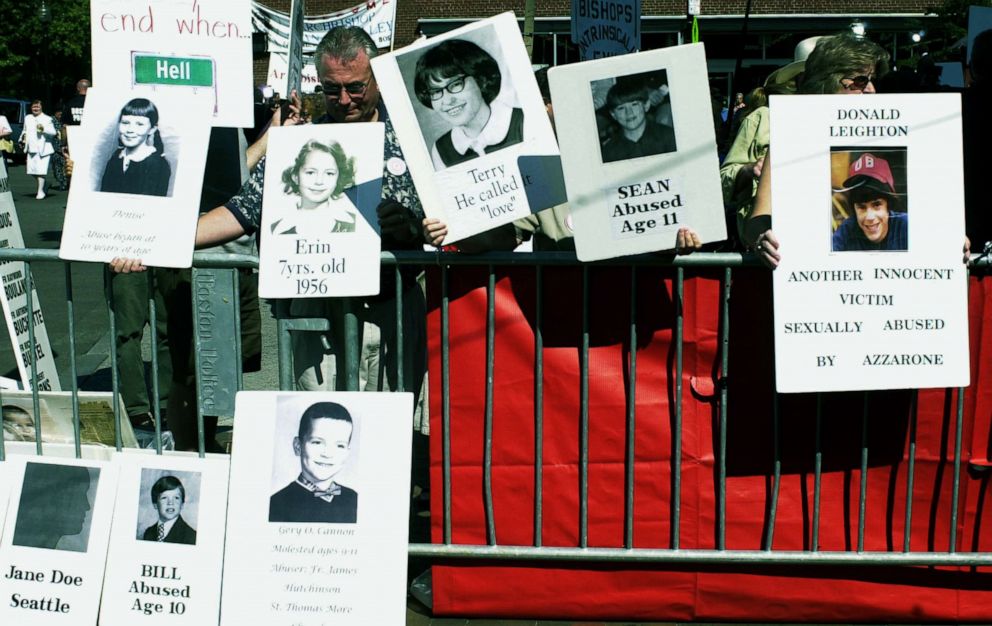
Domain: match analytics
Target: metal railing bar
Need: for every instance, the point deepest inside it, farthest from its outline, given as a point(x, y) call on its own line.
point(33, 357)
point(352, 345)
point(910, 471)
point(631, 417)
point(115, 383)
point(698, 259)
point(817, 472)
point(724, 373)
point(400, 355)
point(584, 416)
point(776, 473)
point(487, 462)
point(153, 326)
point(539, 408)
point(716, 557)
point(73, 366)
point(446, 403)
point(201, 442)
point(863, 489)
point(677, 430)
point(956, 490)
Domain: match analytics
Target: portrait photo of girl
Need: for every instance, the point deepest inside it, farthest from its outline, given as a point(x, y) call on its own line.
point(317, 180)
point(138, 164)
point(471, 113)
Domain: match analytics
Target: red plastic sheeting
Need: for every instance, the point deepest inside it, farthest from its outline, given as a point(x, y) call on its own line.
point(692, 592)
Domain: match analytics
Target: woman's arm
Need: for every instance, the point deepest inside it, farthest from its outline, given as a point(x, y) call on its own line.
point(758, 229)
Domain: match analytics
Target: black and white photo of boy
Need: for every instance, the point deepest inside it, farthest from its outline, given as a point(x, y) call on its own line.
point(323, 447)
point(633, 116)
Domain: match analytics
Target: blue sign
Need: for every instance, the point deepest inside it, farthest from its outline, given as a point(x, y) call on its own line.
point(606, 28)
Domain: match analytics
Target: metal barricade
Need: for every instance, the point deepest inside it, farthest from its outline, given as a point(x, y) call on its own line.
point(581, 552)
point(226, 299)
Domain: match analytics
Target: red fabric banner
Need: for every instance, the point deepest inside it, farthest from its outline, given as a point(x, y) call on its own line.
point(692, 592)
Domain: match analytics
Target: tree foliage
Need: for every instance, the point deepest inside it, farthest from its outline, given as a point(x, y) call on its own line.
point(944, 37)
point(43, 59)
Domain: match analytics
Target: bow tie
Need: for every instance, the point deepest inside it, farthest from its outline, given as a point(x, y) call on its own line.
point(327, 494)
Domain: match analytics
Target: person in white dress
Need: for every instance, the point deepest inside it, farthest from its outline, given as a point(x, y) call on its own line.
point(37, 136)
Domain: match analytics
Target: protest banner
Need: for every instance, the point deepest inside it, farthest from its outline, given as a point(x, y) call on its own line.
point(180, 47)
point(871, 291)
point(322, 186)
point(54, 544)
point(638, 151)
point(96, 418)
point(167, 542)
point(14, 300)
point(478, 142)
point(139, 159)
point(278, 72)
point(317, 520)
point(606, 28)
point(376, 17)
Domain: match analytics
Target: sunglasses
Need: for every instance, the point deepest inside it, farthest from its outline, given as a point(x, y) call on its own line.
point(858, 82)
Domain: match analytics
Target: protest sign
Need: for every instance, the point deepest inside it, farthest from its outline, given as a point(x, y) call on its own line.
point(5, 476)
point(638, 151)
point(184, 48)
point(96, 418)
point(317, 520)
point(871, 291)
point(979, 20)
point(278, 73)
point(376, 17)
point(54, 543)
point(139, 158)
point(606, 28)
point(167, 542)
point(322, 186)
point(473, 126)
point(14, 300)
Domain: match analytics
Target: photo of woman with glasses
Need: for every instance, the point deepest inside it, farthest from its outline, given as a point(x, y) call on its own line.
point(138, 164)
point(317, 179)
point(460, 82)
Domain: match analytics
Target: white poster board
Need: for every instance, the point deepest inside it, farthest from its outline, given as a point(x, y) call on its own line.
point(167, 543)
point(629, 196)
point(480, 148)
point(337, 555)
point(189, 48)
point(54, 544)
point(14, 300)
point(322, 186)
point(5, 478)
point(867, 197)
point(145, 209)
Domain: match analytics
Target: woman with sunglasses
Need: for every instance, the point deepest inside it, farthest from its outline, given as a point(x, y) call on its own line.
point(460, 81)
point(839, 65)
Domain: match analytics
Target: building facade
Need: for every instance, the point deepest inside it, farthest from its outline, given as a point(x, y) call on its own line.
point(774, 27)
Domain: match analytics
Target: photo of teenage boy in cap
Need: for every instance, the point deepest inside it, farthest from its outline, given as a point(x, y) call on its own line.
point(878, 220)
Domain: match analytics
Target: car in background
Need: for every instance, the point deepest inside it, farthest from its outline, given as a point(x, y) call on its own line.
point(15, 110)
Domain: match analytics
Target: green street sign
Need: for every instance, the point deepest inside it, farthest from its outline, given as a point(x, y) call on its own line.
point(169, 70)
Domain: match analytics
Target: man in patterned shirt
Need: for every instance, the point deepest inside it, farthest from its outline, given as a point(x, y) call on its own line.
point(351, 94)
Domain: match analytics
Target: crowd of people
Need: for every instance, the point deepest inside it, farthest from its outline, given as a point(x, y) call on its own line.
point(464, 79)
